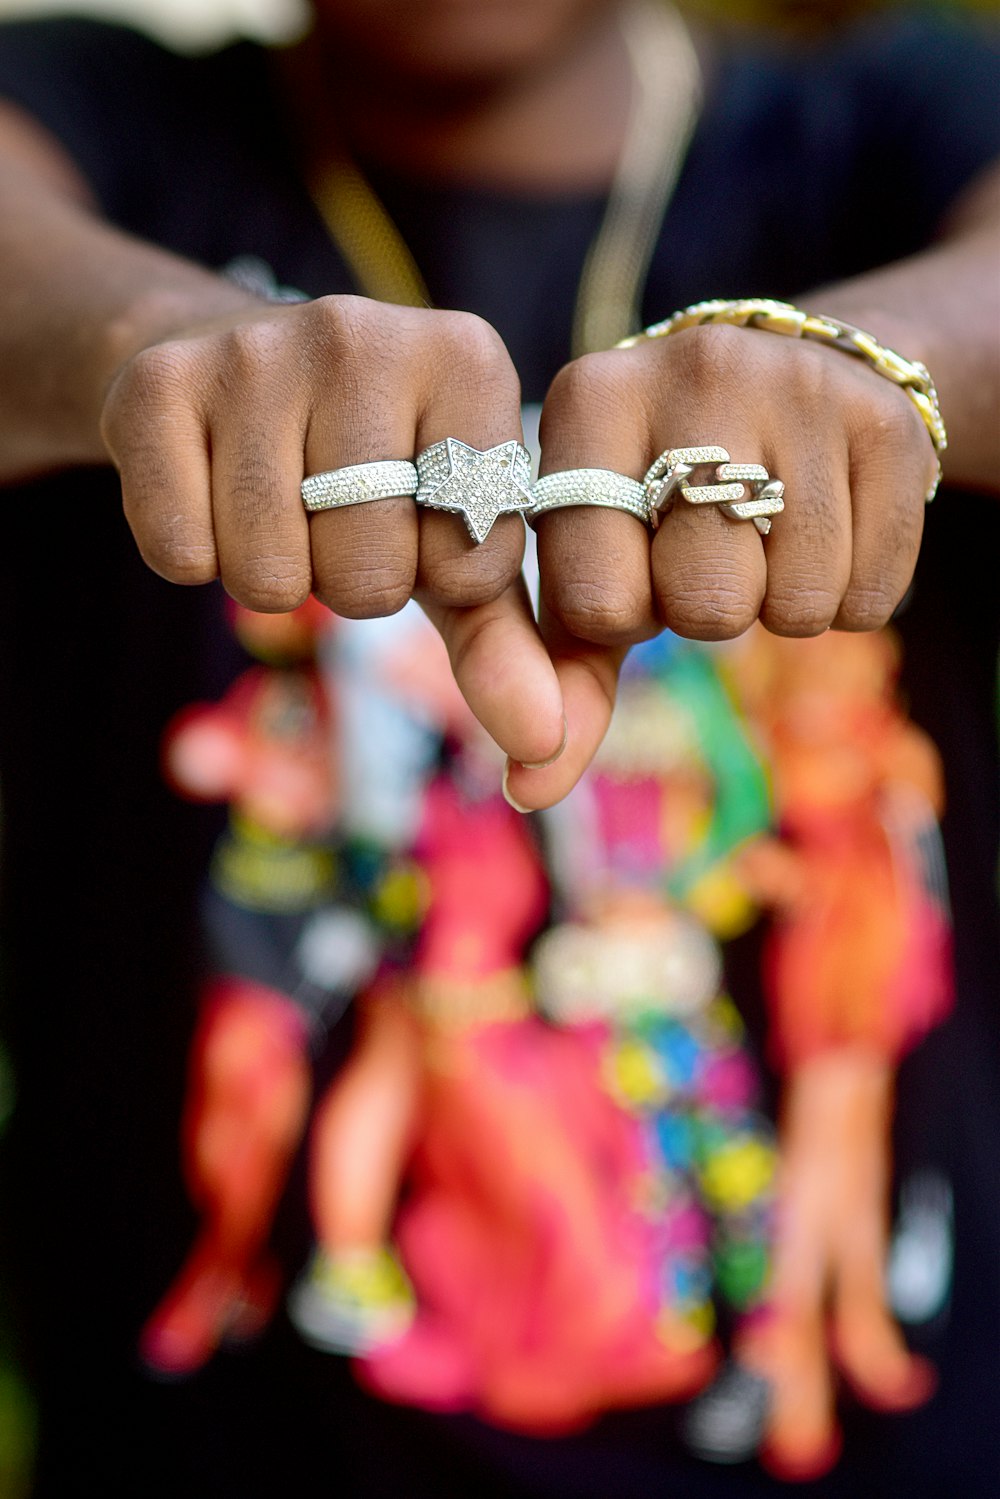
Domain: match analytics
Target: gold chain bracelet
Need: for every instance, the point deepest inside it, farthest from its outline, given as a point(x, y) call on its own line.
point(781, 317)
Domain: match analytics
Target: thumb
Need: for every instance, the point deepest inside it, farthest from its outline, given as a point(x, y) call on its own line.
point(587, 676)
point(504, 671)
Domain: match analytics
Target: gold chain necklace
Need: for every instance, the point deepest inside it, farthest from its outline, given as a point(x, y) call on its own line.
point(662, 119)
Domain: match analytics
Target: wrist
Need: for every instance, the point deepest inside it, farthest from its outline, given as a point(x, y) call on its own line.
point(893, 330)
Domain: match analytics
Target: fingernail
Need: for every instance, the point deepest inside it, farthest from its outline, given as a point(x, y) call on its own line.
point(506, 793)
point(541, 764)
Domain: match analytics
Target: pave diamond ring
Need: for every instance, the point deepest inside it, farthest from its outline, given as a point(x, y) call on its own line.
point(589, 486)
point(359, 483)
point(666, 480)
point(477, 484)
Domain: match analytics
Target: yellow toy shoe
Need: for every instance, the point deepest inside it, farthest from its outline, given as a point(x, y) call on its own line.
point(352, 1302)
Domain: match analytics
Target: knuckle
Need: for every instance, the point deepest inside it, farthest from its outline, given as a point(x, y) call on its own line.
point(867, 607)
point(336, 318)
point(152, 378)
point(470, 337)
point(337, 333)
point(332, 311)
point(179, 561)
point(271, 585)
point(819, 384)
point(599, 612)
point(164, 367)
point(465, 582)
point(368, 592)
point(358, 337)
point(173, 538)
point(718, 611)
point(459, 574)
point(246, 353)
point(473, 353)
point(593, 380)
point(714, 353)
point(799, 611)
point(882, 422)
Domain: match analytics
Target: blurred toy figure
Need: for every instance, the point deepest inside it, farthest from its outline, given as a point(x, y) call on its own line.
point(858, 968)
point(286, 953)
point(577, 1172)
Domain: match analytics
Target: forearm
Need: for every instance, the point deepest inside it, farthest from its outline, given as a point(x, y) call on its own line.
point(77, 298)
point(943, 308)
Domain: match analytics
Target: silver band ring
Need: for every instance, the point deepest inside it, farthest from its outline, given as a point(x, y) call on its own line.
point(358, 484)
point(666, 480)
point(589, 486)
point(479, 484)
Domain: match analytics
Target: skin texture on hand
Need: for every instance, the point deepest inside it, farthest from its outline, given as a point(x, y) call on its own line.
point(856, 462)
point(212, 432)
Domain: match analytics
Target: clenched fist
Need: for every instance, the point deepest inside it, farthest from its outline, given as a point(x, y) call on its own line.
point(213, 430)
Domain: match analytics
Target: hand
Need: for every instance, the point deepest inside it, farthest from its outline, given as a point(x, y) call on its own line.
point(851, 449)
point(214, 428)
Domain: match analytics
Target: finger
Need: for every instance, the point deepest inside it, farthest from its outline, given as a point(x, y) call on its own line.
point(472, 393)
point(364, 556)
point(889, 482)
point(504, 672)
point(709, 570)
point(261, 530)
point(587, 676)
point(809, 547)
point(260, 534)
point(593, 561)
point(281, 421)
point(158, 441)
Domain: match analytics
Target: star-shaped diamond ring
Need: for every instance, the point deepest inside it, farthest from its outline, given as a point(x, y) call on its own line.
point(478, 485)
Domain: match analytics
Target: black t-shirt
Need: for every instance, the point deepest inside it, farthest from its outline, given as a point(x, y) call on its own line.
point(803, 169)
